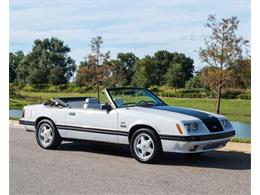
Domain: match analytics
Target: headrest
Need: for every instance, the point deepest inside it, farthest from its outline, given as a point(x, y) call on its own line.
point(92, 100)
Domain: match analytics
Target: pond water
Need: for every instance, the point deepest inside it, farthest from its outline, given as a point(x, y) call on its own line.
point(243, 130)
point(15, 113)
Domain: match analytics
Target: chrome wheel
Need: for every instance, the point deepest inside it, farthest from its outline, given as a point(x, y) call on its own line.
point(143, 146)
point(45, 135)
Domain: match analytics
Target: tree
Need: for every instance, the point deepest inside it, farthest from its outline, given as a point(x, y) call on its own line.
point(175, 76)
point(163, 60)
point(118, 74)
point(127, 61)
point(145, 75)
point(222, 49)
point(48, 57)
point(209, 74)
point(159, 66)
point(241, 73)
point(122, 69)
point(194, 83)
point(187, 64)
point(85, 75)
point(14, 60)
point(95, 68)
point(57, 76)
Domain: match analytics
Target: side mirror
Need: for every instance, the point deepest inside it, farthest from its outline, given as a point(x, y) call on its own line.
point(106, 107)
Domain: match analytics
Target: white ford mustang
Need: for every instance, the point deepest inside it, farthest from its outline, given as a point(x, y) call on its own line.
point(133, 116)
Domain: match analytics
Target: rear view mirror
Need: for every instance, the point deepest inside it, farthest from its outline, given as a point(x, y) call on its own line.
point(106, 107)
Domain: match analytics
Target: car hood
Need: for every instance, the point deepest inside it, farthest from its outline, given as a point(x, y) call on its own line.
point(186, 111)
point(176, 111)
point(209, 119)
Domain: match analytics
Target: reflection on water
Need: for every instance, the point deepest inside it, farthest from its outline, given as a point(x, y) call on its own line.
point(243, 130)
point(15, 113)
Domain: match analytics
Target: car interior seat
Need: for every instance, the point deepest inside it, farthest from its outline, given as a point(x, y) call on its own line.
point(92, 103)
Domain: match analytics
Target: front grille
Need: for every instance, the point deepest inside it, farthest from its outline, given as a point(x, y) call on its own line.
point(213, 124)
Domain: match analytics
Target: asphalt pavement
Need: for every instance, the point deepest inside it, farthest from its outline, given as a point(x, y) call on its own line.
point(98, 168)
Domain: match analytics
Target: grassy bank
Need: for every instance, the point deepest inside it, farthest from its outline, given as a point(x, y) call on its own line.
point(234, 109)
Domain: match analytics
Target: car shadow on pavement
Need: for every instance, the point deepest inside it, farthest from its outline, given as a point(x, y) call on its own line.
point(214, 159)
point(96, 147)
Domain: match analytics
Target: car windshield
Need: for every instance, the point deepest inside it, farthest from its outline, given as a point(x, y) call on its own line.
point(125, 97)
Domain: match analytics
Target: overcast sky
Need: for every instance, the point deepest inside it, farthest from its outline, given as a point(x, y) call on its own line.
point(142, 27)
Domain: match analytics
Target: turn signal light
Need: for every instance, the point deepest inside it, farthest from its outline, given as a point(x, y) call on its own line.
point(179, 128)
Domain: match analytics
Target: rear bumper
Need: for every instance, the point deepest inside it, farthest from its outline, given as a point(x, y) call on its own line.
point(195, 144)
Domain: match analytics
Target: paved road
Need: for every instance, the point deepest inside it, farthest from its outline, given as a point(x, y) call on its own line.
point(92, 168)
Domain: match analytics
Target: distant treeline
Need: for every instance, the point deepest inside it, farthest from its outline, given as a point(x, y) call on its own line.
point(49, 63)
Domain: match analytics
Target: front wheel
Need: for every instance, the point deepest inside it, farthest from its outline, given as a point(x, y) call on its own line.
point(145, 146)
point(47, 135)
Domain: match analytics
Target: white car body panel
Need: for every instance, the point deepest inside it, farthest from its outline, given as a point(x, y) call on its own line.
point(114, 126)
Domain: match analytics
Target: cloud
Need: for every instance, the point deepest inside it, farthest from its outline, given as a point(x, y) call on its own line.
point(142, 27)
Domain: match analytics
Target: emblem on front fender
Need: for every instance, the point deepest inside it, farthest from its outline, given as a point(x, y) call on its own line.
point(123, 124)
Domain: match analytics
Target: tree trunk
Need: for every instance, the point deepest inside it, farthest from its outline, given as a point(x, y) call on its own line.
point(218, 99)
point(98, 80)
point(98, 89)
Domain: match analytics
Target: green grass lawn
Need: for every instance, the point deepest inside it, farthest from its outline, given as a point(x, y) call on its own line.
point(234, 109)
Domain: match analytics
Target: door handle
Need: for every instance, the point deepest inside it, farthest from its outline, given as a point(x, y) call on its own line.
point(72, 113)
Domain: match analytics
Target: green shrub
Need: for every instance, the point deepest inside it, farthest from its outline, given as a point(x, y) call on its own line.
point(191, 90)
point(28, 88)
point(12, 89)
point(244, 96)
point(63, 87)
point(241, 140)
point(155, 89)
point(194, 82)
point(52, 88)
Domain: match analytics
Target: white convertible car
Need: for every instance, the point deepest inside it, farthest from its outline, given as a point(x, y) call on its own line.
point(132, 116)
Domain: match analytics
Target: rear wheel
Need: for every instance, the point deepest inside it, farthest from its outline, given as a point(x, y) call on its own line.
point(47, 135)
point(145, 146)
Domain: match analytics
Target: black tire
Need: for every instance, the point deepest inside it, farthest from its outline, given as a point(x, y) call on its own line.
point(56, 139)
point(157, 147)
point(196, 154)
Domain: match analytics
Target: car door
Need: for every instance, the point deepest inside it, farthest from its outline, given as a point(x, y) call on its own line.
point(92, 124)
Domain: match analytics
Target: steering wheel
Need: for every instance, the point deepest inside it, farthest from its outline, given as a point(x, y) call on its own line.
point(145, 102)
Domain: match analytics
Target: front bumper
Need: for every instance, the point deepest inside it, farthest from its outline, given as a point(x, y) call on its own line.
point(195, 144)
point(28, 125)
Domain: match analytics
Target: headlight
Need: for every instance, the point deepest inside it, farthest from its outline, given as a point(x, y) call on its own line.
point(191, 126)
point(226, 123)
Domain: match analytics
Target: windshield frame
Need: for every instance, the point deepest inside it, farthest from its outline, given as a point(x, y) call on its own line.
point(126, 88)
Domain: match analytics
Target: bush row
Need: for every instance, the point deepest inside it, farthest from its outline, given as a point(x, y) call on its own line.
point(201, 93)
point(70, 88)
point(205, 95)
point(163, 91)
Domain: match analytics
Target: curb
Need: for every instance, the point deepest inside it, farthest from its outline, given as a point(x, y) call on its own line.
point(15, 124)
point(230, 147)
point(237, 147)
